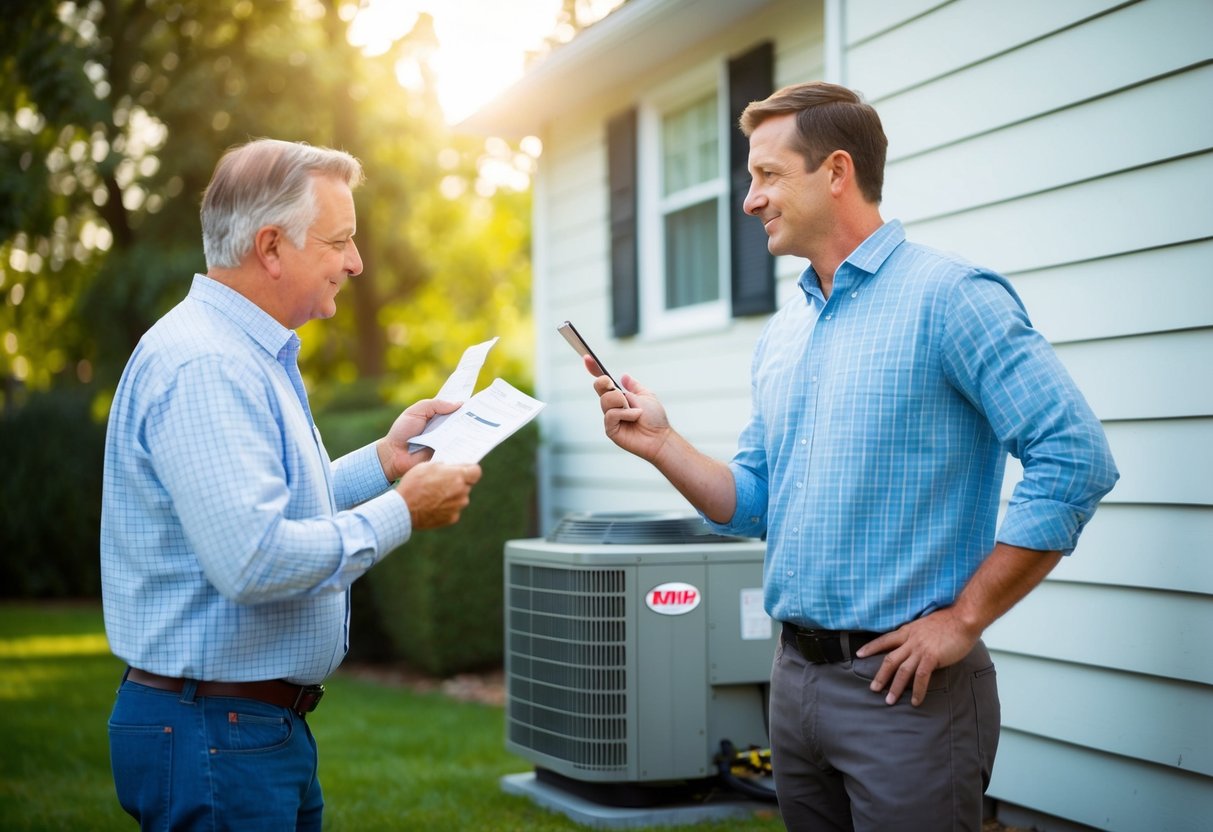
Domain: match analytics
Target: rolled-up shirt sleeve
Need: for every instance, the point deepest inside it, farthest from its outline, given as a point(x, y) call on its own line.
point(1010, 373)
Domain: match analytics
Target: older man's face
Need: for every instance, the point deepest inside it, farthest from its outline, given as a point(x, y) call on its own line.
point(312, 275)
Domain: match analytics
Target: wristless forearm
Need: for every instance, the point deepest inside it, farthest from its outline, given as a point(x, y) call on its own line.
point(707, 483)
point(1007, 575)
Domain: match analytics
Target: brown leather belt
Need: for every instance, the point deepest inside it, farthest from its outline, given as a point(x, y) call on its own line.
point(302, 699)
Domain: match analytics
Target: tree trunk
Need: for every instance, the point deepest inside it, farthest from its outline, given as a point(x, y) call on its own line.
point(370, 342)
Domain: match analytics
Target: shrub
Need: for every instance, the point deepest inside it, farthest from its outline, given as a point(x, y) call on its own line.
point(50, 497)
point(436, 602)
point(439, 596)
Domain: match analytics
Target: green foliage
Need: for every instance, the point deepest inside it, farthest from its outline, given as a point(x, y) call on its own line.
point(414, 605)
point(352, 419)
point(436, 602)
point(112, 117)
point(476, 292)
point(50, 497)
point(390, 759)
point(110, 157)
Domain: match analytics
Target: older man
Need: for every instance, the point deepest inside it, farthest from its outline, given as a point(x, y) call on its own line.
point(228, 539)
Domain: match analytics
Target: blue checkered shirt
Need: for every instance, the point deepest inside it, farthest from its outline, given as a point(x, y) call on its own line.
point(228, 540)
point(881, 420)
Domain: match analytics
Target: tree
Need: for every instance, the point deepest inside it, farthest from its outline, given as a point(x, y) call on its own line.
point(114, 113)
point(112, 116)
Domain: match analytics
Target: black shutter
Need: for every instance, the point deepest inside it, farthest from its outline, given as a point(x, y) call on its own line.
point(751, 78)
point(625, 267)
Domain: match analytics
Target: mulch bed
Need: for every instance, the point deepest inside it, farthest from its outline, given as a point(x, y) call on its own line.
point(487, 688)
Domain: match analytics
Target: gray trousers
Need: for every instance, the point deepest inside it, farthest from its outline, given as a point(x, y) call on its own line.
point(844, 760)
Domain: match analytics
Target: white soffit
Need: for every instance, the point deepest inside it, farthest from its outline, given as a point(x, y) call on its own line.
point(632, 40)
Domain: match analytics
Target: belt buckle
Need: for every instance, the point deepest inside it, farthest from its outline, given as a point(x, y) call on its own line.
point(811, 648)
point(307, 700)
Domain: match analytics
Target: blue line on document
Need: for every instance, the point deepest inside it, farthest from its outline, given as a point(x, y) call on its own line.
point(484, 421)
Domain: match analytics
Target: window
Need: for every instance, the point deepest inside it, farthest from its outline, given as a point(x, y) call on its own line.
point(692, 187)
point(683, 237)
point(684, 257)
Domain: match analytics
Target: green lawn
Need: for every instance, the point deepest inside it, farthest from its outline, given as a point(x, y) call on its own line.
point(389, 759)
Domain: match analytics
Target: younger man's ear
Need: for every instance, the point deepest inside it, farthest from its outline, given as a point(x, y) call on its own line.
point(841, 169)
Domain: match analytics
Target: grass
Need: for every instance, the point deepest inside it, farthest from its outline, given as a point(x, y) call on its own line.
point(390, 759)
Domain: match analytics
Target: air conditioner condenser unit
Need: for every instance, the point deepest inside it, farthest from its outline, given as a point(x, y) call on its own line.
point(634, 645)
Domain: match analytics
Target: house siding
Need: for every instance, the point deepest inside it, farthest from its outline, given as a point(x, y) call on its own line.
point(1070, 146)
point(702, 378)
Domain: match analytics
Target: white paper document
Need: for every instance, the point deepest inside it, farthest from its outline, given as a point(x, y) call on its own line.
point(462, 382)
point(483, 422)
point(459, 386)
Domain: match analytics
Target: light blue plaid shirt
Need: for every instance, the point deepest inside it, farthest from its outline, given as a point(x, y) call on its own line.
point(228, 541)
point(881, 421)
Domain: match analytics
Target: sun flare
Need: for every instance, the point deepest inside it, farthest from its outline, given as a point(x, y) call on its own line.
point(482, 43)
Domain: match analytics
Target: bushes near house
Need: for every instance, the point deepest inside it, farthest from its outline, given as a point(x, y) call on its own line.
point(436, 602)
point(51, 452)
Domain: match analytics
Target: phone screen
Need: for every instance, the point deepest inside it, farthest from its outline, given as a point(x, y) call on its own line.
point(580, 347)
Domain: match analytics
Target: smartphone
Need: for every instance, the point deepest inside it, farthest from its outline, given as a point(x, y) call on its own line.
point(579, 346)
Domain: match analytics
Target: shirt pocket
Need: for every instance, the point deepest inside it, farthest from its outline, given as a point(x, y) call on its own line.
point(870, 402)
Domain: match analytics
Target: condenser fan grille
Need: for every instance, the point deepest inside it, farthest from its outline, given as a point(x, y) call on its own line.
point(567, 680)
point(633, 528)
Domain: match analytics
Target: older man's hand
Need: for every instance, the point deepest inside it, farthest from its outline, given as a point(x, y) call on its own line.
point(393, 449)
point(436, 493)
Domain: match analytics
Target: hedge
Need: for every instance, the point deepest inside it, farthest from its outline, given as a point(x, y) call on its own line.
point(50, 496)
point(436, 602)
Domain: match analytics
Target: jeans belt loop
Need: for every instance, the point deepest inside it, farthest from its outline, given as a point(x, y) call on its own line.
point(189, 690)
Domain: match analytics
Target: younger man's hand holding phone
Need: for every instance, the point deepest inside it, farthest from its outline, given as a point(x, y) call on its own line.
point(580, 347)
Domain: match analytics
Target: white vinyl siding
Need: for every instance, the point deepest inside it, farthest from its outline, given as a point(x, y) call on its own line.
point(702, 375)
point(1070, 146)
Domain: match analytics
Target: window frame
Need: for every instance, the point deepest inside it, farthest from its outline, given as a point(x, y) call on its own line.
point(656, 321)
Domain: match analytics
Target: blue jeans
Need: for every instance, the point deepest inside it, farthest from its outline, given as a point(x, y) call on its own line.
point(182, 761)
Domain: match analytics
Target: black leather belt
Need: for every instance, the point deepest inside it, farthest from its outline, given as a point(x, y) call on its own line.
point(302, 699)
point(826, 646)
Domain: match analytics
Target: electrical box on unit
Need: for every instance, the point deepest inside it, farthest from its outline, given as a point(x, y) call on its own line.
point(634, 644)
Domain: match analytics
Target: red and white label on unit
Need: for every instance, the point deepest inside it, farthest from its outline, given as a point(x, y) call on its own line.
point(673, 598)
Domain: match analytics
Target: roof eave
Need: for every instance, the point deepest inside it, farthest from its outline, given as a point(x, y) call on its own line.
point(617, 49)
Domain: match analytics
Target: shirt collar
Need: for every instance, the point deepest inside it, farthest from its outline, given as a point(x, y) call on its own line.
point(251, 318)
point(872, 252)
point(868, 257)
point(810, 284)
